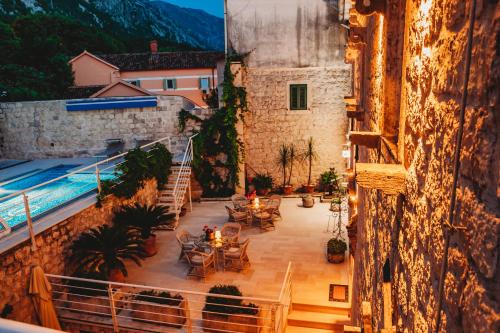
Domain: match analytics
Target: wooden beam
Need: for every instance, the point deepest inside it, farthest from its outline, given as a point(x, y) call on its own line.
point(366, 139)
point(389, 178)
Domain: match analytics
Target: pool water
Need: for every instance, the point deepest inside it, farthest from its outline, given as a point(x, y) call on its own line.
point(48, 197)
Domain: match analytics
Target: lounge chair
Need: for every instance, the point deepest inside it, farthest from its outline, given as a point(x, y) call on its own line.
point(231, 232)
point(113, 147)
point(235, 256)
point(186, 242)
point(237, 216)
point(275, 202)
point(200, 263)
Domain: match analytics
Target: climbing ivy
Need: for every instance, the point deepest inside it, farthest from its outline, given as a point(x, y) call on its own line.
point(217, 147)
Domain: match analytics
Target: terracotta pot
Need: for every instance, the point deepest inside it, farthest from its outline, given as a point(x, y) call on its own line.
point(308, 201)
point(309, 188)
point(336, 258)
point(150, 246)
point(287, 190)
point(116, 275)
point(169, 315)
point(263, 191)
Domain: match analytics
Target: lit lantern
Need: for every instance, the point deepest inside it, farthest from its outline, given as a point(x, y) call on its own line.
point(218, 236)
point(256, 202)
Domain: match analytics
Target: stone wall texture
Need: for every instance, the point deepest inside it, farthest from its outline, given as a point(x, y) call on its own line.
point(269, 123)
point(408, 230)
point(45, 129)
point(53, 251)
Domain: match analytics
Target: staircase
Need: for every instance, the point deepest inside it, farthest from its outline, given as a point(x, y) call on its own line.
point(179, 182)
point(310, 318)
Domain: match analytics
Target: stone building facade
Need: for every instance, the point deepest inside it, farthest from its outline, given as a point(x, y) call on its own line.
point(52, 251)
point(44, 129)
point(409, 64)
point(291, 42)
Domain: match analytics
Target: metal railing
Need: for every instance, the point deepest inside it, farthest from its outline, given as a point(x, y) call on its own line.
point(18, 209)
point(182, 183)
point(123, 306)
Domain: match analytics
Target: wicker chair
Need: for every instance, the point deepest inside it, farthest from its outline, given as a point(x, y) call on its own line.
point(240, 202)
point(200, 263)
point(186, 242)
point(231, 232)
point(236, 257)
point(265, 218)
point(275, 202)
point(237, 216)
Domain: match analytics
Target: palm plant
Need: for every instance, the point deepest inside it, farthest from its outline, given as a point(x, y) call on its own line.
point(103, 249)
point(143, 218)
point(310, 155)
point(292, 153)
point(284, 160)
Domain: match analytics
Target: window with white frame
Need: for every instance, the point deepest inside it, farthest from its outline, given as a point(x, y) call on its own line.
point(205, 84)
point(169, 84)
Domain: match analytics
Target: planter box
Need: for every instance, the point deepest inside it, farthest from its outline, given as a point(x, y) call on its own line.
point(231, 323)
point(93, 305)
point(163, 314)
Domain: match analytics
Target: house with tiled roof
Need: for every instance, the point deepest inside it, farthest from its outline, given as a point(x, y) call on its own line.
point(190, 74)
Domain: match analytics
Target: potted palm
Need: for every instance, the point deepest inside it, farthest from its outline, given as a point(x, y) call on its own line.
point(292, 153)
point(263, 183)
point(335, 251)
point(310, 156)
point(159, 308)
point(103, 249)
point(222, 314)
point(284, 164)
point(145, 219)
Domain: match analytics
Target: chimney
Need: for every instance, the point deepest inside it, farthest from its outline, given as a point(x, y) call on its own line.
point(153, 46)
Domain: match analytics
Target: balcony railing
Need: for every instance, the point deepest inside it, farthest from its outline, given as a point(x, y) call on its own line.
point(142, 308)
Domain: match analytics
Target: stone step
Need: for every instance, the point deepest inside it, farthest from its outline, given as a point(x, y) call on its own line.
point(298, 329)
point(346, 311)
point(318, 320)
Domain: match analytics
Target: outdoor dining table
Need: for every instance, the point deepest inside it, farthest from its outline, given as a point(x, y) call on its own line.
point(213, 245)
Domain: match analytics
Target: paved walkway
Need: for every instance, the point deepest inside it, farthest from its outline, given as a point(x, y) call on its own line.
point(300, 237)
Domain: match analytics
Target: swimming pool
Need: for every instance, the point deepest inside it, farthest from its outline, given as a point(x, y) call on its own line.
point(47, 197)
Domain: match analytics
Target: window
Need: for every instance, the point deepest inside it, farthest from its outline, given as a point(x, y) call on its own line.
point(298, 97)
point(135, 83)
point(205, 84)
point(169, 84)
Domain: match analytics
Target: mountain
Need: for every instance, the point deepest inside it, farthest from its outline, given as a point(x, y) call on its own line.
point(137, 19)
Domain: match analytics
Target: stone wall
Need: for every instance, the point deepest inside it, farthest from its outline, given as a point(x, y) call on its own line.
point(45, 129)
point(269, 122)
point(408, 230)
point(53, 251)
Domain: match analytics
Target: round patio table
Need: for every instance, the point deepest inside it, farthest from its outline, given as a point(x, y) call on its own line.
point(212, 245)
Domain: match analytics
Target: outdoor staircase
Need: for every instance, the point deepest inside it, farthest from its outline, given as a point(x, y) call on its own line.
point(173, 195)
point(310, 318)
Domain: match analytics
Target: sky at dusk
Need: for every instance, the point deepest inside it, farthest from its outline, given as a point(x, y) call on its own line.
point(214, 7)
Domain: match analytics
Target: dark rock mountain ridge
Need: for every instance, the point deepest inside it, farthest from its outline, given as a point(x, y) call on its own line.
point(137, 18)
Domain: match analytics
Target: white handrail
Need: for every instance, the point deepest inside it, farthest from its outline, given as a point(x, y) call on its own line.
point(186, 162)
point(79, 170)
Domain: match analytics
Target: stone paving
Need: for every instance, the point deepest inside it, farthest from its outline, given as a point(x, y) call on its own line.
point(300, 238)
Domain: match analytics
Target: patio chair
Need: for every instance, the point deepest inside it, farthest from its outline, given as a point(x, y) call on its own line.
point(236, 257)
point(200, 263)
point(240, 202)
point(275, 202)
point(186, 241)
point(237, 216)
point(265, 218)
point(231, 231)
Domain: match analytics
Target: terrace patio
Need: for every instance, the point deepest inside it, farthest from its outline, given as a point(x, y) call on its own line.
point(300, 237)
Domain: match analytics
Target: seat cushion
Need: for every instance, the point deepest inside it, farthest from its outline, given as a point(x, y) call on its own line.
point(263, 215)
point(239, 215)
point(236, 254)
point(233, 249)
point(197, 259)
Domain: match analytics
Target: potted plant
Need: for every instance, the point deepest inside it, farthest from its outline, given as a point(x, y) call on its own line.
point(222, 314)
point(263, 183)
point(292, 157)
point(284, 163)
point(88, 297)
point(330, 181)
point(309, 155)
point(336, 248)
point(159, 308)
point(103, 250)
point(145, 219)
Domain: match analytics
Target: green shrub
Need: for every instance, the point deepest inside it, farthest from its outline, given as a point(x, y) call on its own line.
point(164, 298)
point(227, 306)
point(262, 181)
point(336, 246)
point(146, 219)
